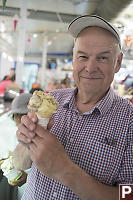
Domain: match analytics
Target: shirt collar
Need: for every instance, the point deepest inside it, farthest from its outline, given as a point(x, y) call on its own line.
point(70, 98)
point(106, 102)
point(102, 106)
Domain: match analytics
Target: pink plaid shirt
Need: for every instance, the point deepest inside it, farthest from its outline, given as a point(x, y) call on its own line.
point(99, 141)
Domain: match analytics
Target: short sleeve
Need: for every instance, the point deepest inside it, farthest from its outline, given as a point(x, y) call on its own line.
point(126, 170)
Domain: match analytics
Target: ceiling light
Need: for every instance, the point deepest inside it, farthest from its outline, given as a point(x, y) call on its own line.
point(4, 55)
point(10, 58)
point(49, 43)
point(35, 35)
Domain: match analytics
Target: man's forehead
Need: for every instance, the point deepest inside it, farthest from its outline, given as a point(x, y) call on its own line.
point(95, 48)
point(96, 37)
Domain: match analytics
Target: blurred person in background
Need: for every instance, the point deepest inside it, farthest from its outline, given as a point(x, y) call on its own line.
point(34, 89)
point(9, 84)
point(36, 85)
point(10, 75)
point(19, 108)
point(66, 82)
point(53, 84)
point(7, 191)
point(3, 85)
point(11, 90)
point(13, 85)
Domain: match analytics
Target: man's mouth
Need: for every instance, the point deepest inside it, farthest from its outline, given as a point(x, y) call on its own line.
point(90, 78)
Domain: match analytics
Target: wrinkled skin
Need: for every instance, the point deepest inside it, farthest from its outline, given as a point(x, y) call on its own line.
point(45, 150)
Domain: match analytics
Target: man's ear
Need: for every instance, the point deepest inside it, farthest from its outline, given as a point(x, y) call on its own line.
point(119, 62)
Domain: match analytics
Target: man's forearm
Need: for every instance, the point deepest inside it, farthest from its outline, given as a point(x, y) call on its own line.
point(86, 187)
point(21, 157)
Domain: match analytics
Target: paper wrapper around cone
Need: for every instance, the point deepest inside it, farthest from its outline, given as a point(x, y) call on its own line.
point(43, 121)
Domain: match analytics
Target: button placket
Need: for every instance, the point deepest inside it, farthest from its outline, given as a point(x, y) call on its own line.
point(80, 117)
point(71, 139)
point(55, 194)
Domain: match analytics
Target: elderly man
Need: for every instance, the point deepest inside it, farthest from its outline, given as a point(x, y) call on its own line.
point(87, 150)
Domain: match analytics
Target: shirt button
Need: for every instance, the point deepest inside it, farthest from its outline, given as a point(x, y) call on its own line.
point(71, 139)
point(55, 194)
point(80, 117)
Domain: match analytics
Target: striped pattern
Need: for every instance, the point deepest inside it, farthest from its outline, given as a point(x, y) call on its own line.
point(99, 141)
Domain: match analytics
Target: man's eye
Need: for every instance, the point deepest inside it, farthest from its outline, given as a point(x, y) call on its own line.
point(83, 57)
point(102, 59)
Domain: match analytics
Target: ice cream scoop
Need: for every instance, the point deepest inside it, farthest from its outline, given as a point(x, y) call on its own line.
point(44, 105)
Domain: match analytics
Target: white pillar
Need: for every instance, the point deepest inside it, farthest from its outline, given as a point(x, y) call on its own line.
point(43, 75)
point(21, 43)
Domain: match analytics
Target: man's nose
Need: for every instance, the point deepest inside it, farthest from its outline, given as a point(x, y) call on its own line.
point(91, 65)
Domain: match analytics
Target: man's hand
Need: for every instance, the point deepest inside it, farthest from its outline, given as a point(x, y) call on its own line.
point(48, 153)
point(25, 131)
point(45, 150)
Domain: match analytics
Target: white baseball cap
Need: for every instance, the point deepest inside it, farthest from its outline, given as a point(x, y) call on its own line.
point(84, 21)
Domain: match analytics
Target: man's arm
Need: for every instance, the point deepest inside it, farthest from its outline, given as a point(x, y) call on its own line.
point(21, 157)
point(85, 186)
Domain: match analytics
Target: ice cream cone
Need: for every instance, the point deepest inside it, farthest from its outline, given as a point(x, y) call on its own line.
point(43, 121)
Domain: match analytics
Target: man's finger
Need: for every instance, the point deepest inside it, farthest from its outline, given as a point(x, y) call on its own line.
point(33, 117)
point(28, 123)
point(25, 131)
point(40, 131)
point(37, 140)
point(22, 138)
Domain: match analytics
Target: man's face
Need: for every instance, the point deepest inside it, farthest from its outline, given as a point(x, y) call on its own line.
point(95, 60)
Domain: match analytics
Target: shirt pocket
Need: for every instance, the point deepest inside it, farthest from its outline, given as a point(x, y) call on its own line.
point(99, 160)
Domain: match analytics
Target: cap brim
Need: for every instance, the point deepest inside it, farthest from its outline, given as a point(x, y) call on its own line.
point(82, 22)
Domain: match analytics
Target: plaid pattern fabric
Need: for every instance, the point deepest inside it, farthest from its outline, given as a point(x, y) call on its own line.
point(99, 141)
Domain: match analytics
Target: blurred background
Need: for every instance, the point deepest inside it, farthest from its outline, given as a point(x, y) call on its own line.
point(36, 52)
point(34, 38)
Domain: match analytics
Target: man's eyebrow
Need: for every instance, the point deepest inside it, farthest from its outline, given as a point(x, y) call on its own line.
point(105, 52)
point(81, 52)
